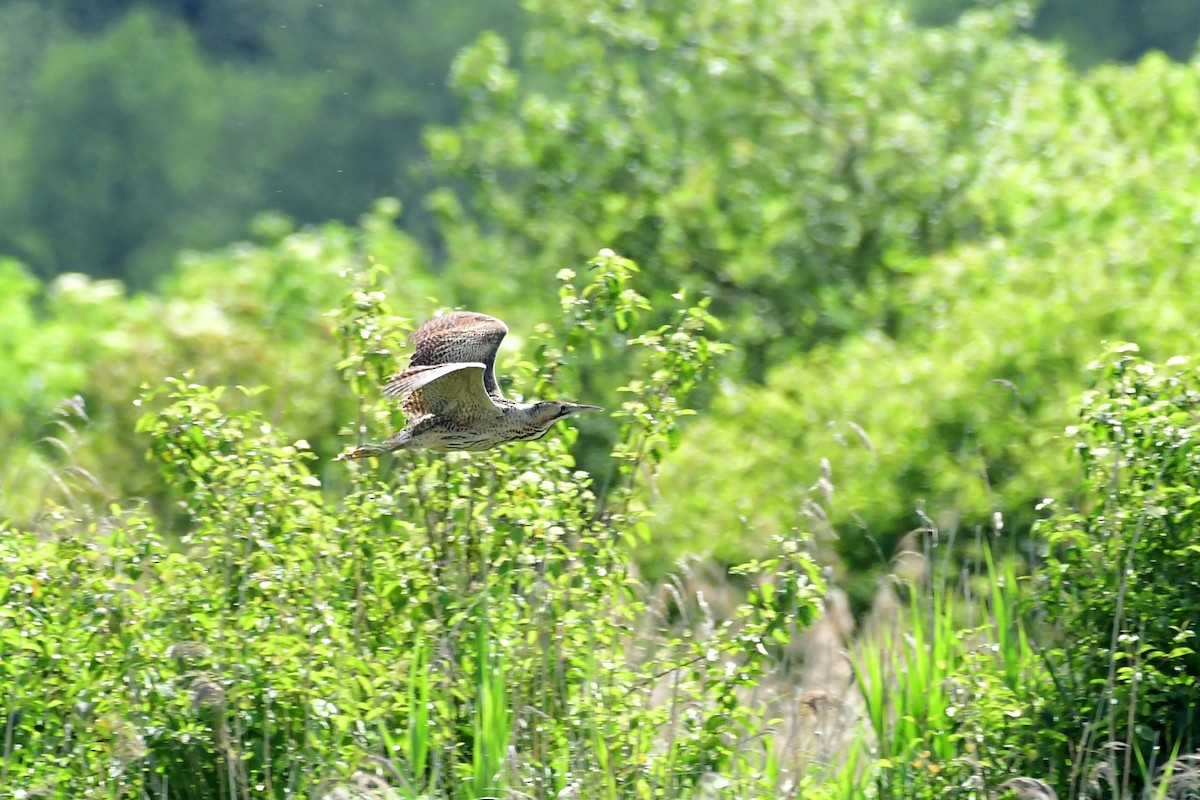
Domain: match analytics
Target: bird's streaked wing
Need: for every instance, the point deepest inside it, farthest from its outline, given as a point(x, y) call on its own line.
point(443, 390)
point(460, 337)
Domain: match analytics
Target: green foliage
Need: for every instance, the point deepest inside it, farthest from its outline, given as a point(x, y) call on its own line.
point(913, 249)
point(953, 693)
point(316, 108)
point(914, 240)
point(226, 28)
point(117, 144)
point(467, 624)
point(954, 407)
point(129, 131)
point(905, 681)
point(757, 150)
point(914, 276)
point(1119, 30)
point(1121, 586)
point(249, 315)
point(913, 280)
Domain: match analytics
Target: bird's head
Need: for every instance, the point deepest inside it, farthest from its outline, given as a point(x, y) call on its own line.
point(548, 412)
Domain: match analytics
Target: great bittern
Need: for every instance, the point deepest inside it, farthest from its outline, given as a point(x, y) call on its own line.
point(1023, 788)
point(450, 396)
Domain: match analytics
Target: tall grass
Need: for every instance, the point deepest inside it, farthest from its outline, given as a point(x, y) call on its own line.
point(949, 688)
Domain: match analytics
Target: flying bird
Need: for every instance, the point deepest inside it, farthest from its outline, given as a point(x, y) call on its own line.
point(450, 396)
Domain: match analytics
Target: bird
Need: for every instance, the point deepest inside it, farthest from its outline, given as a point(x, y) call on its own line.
point(1025, 788)
point(449, 393)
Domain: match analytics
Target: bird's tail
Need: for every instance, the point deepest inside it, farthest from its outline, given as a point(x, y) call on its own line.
point(362, 451)
point(400, 440)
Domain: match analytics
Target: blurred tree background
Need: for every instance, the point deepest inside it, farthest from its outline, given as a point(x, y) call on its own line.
point(130, 130)
point(917, 221)
point(1096, 31)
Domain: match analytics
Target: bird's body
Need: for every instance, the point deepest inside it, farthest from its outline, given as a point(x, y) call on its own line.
point(450, 395)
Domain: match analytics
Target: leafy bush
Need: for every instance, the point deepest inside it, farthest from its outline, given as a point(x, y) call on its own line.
point(953, 406)
point(465, 625)
point(759, 151)
point(247, 314)
point(913, 280)
point(1121, 584)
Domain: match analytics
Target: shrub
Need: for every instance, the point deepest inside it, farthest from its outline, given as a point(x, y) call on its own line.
point(466, 624)
point(250, 314)
point(1121, 589)
point(757, 150)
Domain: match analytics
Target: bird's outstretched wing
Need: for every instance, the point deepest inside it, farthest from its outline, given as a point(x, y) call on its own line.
point(443, 390)
point(460, 337)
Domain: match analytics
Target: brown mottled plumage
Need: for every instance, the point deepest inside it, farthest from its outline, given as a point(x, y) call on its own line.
point(1024, 788)
point(450, 396)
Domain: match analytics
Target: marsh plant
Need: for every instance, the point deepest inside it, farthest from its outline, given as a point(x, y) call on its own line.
point(458, 626)
point(1121, 589)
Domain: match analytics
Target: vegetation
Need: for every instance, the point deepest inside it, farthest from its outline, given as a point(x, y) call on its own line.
point(130, 130)
point(1124, 30)
point(868, 275)
point(914, 281)
point(1122, 567)
point(472, 624)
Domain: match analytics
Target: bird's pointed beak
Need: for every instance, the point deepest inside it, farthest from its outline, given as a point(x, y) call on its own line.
point(579, 409)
